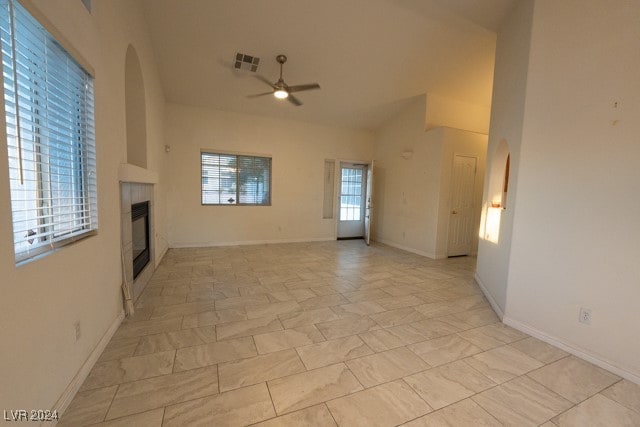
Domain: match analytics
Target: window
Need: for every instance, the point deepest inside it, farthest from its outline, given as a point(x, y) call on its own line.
point(351, 194)
point(229, 179)
point(48, 100)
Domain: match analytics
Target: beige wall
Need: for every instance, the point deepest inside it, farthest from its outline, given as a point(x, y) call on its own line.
point(406, 191)
point(446, 112)
point(575, 235)
point(411, 196)
point(42, 299)
point(298, 151)
point(507, 112)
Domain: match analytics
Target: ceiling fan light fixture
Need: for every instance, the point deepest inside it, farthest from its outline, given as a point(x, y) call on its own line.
point(280, 89)
point(281, 94)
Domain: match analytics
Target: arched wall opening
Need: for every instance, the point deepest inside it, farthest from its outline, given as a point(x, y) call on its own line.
point(498, 189)
point(499, 177)
point(135, 106)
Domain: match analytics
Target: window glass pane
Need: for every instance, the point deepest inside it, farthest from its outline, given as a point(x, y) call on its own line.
point(351, 194)
point(230, 179)
point(253, 180)
point(50, 136)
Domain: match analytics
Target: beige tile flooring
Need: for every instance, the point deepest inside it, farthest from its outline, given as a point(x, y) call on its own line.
point(330, 333)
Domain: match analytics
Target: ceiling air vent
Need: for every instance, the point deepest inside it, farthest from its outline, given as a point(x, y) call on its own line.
point(246, 62)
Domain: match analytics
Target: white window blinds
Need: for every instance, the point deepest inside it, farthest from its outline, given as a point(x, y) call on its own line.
point(48, 100)
point(229, 179)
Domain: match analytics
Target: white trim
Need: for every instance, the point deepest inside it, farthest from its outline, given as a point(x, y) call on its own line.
point(405, 248)
point(249, 242)
point(443, 255)
point(162, 254)
point(69, 393)
point(572, 348)
point(489, 297)
point(233, 153)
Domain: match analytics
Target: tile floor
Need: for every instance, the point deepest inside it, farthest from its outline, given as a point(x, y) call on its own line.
point(330, 333)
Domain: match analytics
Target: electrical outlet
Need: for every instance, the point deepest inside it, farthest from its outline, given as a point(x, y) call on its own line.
point(585, 315)
point(76, 326)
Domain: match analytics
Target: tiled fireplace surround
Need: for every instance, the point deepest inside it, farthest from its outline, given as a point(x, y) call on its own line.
point(132, 193)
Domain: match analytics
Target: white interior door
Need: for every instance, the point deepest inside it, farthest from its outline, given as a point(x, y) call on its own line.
point(369, 206)
point(461, 230)
point(351, 203)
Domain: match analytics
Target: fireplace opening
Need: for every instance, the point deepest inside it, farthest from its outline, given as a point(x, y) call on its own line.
point(140, 236)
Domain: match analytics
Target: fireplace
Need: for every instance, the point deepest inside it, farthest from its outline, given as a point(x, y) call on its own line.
point(140, 236)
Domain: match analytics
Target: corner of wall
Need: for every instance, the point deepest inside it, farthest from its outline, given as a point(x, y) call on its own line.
point(507, 118)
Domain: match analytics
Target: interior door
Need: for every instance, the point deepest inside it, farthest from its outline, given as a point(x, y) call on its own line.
point(461, 228)
point(351, 201)
point(369, 206)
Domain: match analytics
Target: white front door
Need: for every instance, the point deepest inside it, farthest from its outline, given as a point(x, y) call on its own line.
point(351, 202)
point(461, 228)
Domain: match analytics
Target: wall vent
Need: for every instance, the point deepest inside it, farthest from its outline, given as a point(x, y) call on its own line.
point(246, 62)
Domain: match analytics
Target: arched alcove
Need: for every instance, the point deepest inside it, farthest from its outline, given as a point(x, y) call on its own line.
point(497, 195)
point(499, 177)
point(136, 116)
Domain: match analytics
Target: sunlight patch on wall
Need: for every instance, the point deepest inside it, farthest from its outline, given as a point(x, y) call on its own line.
point(491, 230)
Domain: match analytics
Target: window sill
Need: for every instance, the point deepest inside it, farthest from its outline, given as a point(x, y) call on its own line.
point(44, 250)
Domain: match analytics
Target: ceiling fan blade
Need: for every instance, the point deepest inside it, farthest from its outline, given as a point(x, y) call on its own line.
point(295, 101)
point(260, 94)
point(264, 80)
point(300, 88)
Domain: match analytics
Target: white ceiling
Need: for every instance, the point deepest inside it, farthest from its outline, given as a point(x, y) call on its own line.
point(369, 56)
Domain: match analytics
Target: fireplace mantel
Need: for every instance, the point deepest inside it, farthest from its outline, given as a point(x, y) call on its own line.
point(132, 173)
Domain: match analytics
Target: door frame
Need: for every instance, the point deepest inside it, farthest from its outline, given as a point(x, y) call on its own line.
point(337, 188)
point(449, 202)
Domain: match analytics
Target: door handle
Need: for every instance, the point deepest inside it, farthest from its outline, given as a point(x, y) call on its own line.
point(454, 212)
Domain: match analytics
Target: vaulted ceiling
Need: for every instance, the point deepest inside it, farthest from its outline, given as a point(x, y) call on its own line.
point(369, 56)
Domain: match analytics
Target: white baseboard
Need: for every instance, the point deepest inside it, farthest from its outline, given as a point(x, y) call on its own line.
point(405, 248)
point(249, 242)
point(69, 393)
point(489, 297)
point(572, 348)
point(159, 259)
point(568, 347)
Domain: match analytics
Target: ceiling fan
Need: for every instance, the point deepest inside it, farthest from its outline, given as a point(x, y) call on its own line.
point(281, 90)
